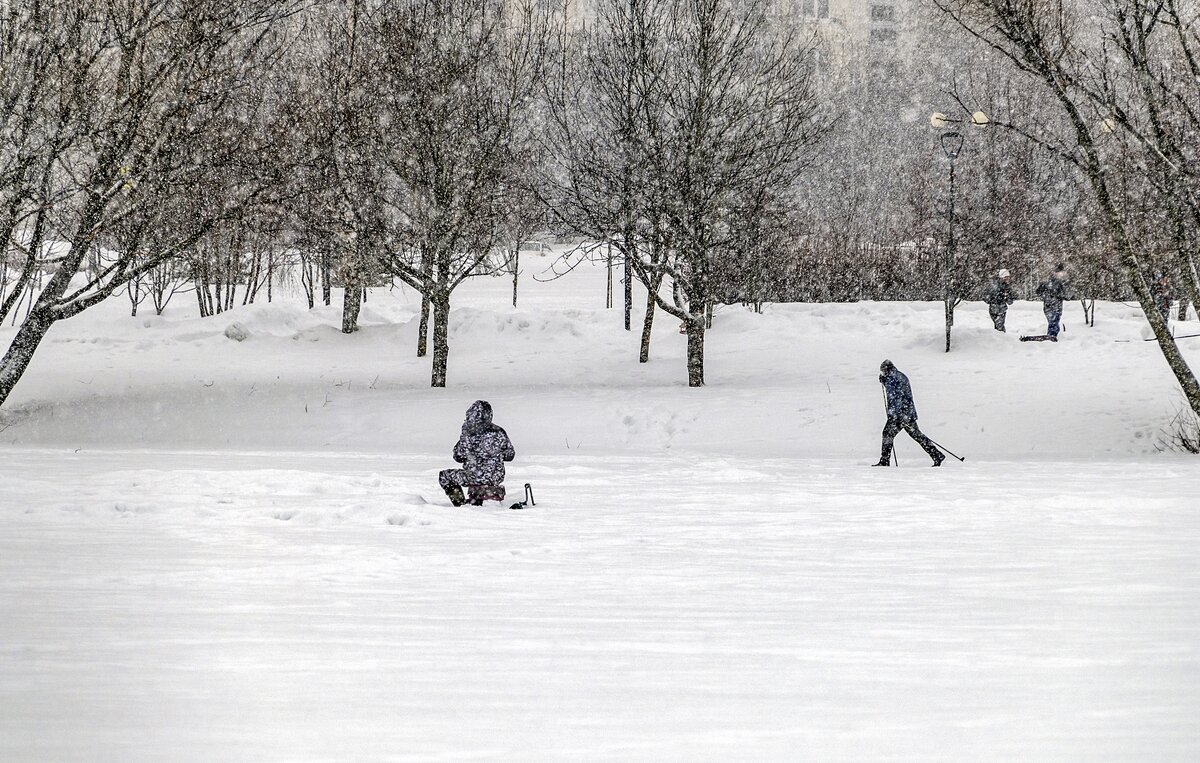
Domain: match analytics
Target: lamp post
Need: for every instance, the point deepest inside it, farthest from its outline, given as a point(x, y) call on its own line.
point(952, 143)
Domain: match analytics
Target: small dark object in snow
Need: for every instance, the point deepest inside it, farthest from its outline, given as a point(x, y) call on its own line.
point(1039, 338)
point(528, 499)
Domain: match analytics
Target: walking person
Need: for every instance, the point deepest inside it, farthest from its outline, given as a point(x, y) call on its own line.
point(482, 449)
point(1053, 292)
point(901, 414)
point(1160, 290)
point(998, 296)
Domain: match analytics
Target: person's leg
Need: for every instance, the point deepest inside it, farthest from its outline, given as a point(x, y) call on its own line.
point(926, 444)
point(997, 313)
point(889, 437)
point(452, 481)
point(1053, 320)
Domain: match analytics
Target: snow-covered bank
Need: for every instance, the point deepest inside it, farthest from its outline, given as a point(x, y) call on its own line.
point(798, 380)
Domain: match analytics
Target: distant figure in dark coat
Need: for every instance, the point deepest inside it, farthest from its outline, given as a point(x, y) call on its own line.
point(998, 296)
point(482, 449)
point(1160, 290)
point(1052, 293)
point(901, 414)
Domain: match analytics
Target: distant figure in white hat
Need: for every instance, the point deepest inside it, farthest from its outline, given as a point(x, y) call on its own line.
point(998, 296)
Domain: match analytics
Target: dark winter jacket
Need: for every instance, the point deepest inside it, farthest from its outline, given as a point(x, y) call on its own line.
point(1052, 293)
point(1162, 296)
point(899, 395)
point(483, 447)
point(998, 293)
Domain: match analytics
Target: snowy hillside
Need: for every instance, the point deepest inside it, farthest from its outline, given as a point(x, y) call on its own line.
point(222, 550)
point(799, 380)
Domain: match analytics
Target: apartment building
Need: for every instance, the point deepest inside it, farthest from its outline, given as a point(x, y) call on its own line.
point(870, 30)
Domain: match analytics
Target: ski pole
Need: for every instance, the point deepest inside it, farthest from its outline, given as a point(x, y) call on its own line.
point(943, 447)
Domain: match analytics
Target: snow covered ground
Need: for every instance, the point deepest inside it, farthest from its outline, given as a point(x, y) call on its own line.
point(214, 550)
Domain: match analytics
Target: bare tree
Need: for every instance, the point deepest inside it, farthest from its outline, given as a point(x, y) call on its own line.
point(715, 119)
point(1063, 48)
point(599, 105)
point(458, 82)
point(155, 95)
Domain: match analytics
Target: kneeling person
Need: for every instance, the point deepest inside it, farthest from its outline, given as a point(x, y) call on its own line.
point(482, 449)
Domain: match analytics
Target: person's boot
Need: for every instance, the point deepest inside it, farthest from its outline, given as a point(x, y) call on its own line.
point(938, 458)
point(455, 494)
point(885, 457)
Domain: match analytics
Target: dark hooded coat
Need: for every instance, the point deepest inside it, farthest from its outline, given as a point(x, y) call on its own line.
point(900, 404)
point(998, 293)
point(483, 447)
point(1052, 293)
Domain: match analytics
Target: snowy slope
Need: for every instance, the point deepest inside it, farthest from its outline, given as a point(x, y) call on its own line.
point(215, 550)
point(561, 371)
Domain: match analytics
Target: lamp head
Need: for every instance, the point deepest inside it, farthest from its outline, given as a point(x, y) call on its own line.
point(952, 143)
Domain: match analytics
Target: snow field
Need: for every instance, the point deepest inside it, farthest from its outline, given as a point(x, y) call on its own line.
point(220, 550)
point(754, 608)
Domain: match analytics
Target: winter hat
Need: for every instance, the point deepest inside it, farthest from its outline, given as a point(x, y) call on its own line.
point(1003, 273)
point(886, 366)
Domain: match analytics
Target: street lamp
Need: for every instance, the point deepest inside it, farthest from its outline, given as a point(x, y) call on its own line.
point(952, 143)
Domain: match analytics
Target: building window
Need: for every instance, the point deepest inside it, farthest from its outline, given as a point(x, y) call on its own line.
point(814, 9)
point(883, 13)
point(883, 35)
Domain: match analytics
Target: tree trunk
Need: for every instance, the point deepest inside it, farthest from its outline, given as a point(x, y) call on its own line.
point(200, 299)
point(647, 326)
point(1133, 270)
point(306, 279)
point(326, 276)
point(441, 339)
point(352, 287)
point(949, 305)
point(1183, 306)
point(608, 302)
point(20, 352)
point(423, 327)
point(351, 305)
point(516, 270)
point(629, 303)
point(695, 351)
